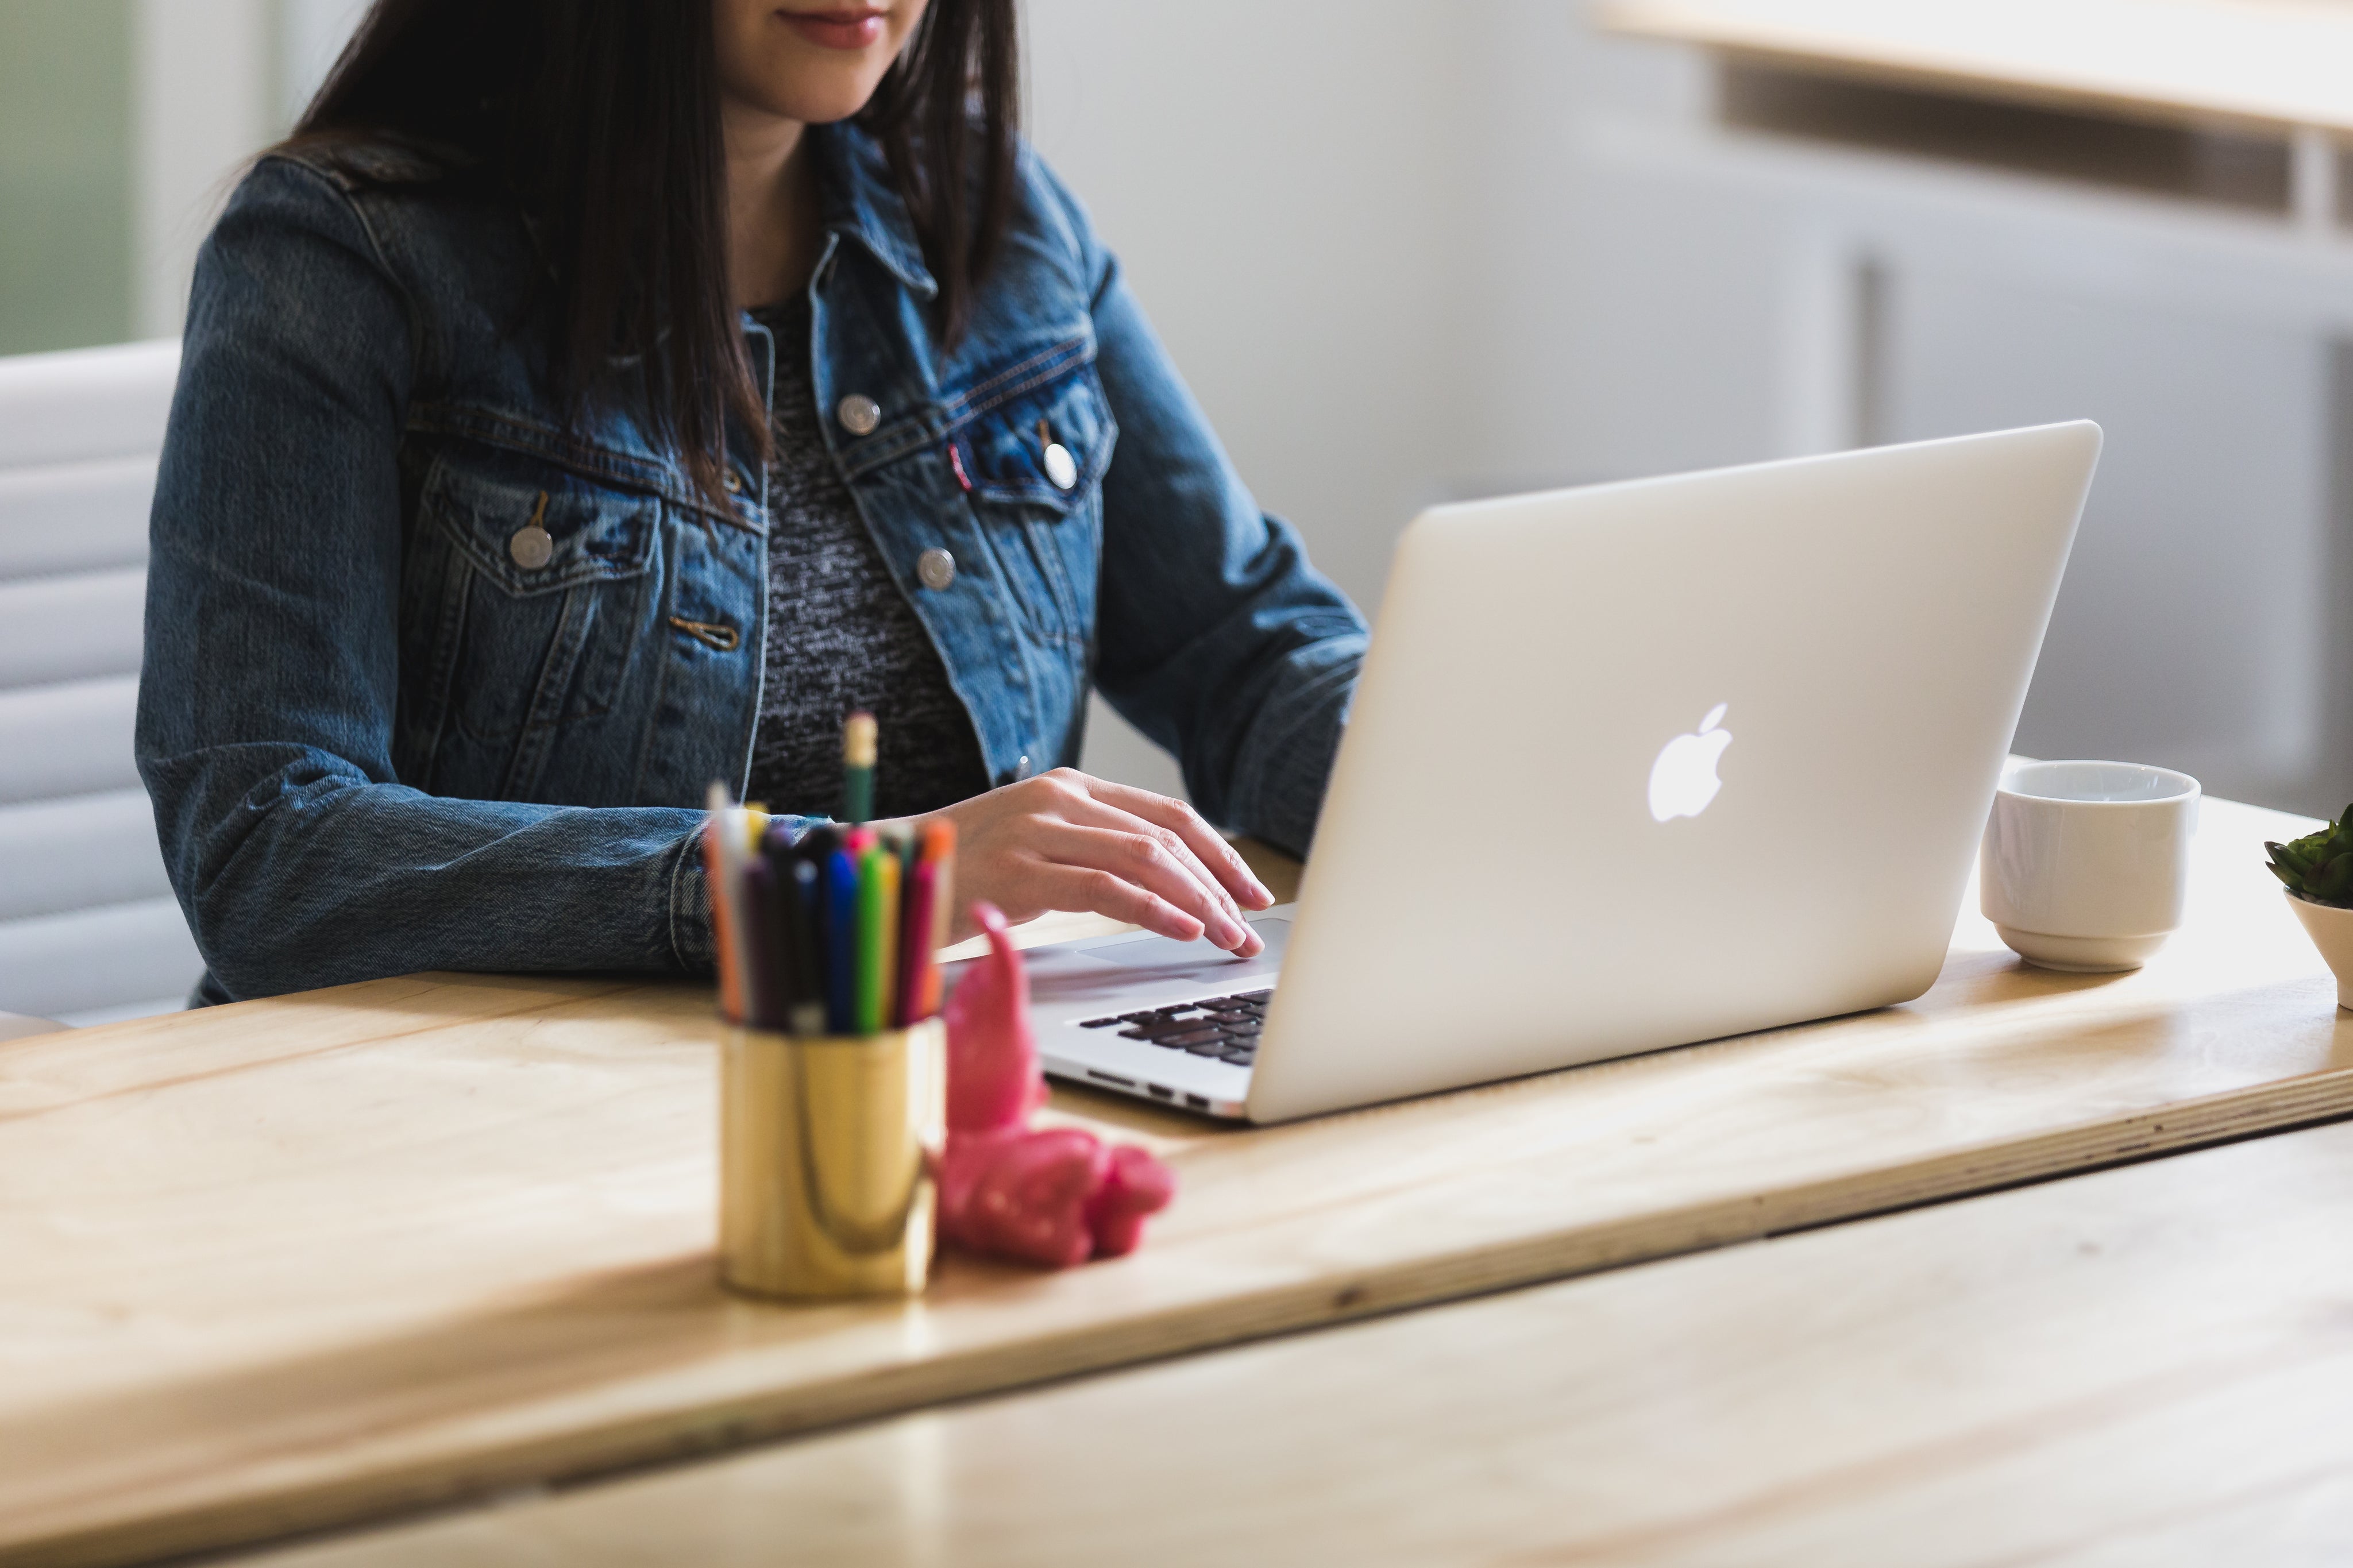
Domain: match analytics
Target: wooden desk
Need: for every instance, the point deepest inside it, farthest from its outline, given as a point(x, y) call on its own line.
point(313, 1260)
point(2147, 1365)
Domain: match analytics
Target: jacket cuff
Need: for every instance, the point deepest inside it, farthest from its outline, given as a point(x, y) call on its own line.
point(691, 942)
point(1286, 763)
point(689, 907)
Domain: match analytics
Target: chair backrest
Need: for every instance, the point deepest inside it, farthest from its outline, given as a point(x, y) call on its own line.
point(89, 928)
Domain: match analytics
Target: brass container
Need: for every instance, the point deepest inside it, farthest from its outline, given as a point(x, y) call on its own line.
point(826, 1149)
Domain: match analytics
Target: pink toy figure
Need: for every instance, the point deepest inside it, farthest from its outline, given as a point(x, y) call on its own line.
point(1052, 1195)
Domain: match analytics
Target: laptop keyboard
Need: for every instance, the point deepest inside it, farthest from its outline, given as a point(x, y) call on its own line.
point(1225, 1028)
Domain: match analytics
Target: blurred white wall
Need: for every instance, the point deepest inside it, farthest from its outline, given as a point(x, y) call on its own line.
point(211, 81)
point(1323, 205)
point(1281, 182)
point(201, 102)
point(311, 34)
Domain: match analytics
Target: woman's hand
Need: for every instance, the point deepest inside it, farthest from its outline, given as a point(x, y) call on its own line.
point(1066, 841)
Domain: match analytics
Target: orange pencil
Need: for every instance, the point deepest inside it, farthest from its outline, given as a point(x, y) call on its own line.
point(939, 858)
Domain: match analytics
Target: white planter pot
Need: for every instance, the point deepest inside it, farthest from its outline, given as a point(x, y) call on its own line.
point(2331, 930)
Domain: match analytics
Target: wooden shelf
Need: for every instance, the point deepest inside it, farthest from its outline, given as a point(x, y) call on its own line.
point(2253, 65)
point(2240, 102)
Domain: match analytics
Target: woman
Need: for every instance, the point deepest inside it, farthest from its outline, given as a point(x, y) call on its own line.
point(598, 397)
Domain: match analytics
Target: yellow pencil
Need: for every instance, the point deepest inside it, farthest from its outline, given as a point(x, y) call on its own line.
point(877, 938)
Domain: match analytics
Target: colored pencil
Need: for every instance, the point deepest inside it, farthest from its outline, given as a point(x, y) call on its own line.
point(841, 944)
point(878, 932)
point(858, 748)
point(804, 920)
point(818, 844)
point(899, 838)
point(939, 853)
point(775, 851)
point(835, 930)
point(764, 982)
point(722, 870)
point(916, 967)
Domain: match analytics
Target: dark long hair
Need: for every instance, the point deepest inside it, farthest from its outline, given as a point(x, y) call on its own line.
point(601, 117)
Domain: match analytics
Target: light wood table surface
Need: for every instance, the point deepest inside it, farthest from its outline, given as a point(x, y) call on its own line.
point(2257, 64)
point(317, 1259)
point(2143, 1366)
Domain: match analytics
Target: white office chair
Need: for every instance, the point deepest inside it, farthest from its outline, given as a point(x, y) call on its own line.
point(88, 929)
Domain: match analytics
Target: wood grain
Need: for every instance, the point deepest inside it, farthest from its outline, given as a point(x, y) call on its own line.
point(314, 1260)
point(2148, 1365)
point(2256, 64)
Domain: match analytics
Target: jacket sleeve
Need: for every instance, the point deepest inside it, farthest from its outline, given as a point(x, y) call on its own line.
point(267, 701)
point(1215, 636)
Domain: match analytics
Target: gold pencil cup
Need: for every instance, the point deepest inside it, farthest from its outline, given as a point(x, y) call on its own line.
point(826, 1149)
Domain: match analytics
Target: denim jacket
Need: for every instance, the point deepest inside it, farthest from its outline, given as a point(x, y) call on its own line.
point(386, 728)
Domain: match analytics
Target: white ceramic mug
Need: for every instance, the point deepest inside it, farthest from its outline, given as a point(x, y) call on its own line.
point(2085, 865)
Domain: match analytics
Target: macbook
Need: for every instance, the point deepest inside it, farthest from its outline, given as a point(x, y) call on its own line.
point(1628, 767)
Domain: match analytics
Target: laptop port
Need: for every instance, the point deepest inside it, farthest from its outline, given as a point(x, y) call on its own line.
point(1160, 1093)
point(1197, 1101)
point(1107, 1077)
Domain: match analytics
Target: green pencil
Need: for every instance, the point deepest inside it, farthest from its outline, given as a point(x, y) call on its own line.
point(858, 767)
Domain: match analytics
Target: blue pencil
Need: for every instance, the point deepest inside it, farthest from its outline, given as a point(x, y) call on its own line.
point(841, 944)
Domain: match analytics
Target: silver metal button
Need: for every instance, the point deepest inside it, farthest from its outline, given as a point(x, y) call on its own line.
point(734, 486)
point(935, 568)
point(531, 545)
point(1021, 769)
point(858, 413)
point(1061, 466)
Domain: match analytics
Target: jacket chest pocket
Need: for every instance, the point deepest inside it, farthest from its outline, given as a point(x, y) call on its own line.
point(539, 582)
point(1035, 462)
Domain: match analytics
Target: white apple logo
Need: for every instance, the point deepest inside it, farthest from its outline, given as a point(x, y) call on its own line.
point(1683, 780)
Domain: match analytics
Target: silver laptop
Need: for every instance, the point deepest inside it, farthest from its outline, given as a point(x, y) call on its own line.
point(1628, 767)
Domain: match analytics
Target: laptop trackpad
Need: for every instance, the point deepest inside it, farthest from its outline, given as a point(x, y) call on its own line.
point(1163, 954)
point(1109, 974)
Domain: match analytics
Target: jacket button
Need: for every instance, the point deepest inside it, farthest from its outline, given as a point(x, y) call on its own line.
point(734, 486)
point(858, 413)
point(531, 546)
point(935, 568)
point(1061, 466)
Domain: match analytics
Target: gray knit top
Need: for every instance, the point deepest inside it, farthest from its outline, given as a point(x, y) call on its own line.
point(841, 635)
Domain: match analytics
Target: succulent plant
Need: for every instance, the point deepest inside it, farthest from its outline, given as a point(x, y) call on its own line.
point(2319, 866)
